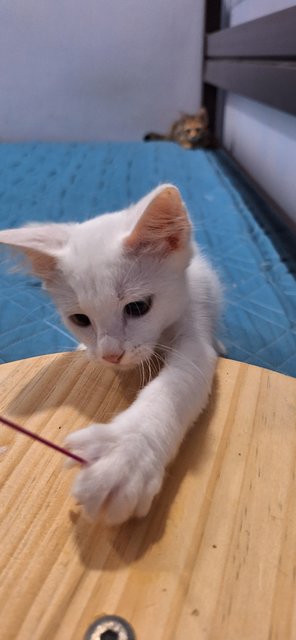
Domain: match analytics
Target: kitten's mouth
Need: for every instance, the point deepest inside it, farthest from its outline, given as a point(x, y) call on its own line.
point(197, 138)
point(125, 361)
point(113, 358)
point(119, 366)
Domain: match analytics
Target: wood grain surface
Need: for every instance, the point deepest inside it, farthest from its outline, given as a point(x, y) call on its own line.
point(216, 557)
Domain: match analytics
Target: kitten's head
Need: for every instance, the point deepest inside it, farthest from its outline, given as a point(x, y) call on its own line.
point(192, 128)
point(118, 280)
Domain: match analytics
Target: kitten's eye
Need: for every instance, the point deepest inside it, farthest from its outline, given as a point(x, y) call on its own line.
point(80, 320)
point(138, 308)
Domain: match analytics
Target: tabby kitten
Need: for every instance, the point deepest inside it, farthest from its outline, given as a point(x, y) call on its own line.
point(190, 131)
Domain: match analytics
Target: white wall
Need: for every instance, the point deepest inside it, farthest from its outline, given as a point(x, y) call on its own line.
point(97, 69)
point(262, 139)
point(243, 10)
point(264, 142)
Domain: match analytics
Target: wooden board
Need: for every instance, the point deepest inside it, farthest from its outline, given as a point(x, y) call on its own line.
point(216, 557)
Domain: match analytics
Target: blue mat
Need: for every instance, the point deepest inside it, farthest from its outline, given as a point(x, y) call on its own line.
point(64, 182)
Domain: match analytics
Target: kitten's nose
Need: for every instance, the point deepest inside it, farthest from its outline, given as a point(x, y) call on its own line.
point(113, 357)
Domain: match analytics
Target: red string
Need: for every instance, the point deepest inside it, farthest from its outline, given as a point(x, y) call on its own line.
point(47, 443)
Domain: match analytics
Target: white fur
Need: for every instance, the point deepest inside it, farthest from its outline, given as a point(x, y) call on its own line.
point(128, 457)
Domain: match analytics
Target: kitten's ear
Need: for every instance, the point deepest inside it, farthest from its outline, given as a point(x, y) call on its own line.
point(202, 114)
point(164, 226)
point(40, 244)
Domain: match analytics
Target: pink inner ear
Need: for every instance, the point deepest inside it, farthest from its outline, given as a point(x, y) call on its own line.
point(39, 244)
point(164, 226)
point(43, 265)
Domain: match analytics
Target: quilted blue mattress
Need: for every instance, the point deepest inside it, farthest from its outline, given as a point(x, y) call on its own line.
point(64, 182)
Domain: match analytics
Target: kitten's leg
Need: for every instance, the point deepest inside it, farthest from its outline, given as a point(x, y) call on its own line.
point(128, 457)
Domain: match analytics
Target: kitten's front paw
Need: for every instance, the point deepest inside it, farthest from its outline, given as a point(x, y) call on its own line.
point(123, 474)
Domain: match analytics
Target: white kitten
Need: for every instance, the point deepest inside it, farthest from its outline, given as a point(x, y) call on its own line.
point(124, 284)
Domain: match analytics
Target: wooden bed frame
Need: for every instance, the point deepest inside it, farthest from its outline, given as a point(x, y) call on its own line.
point(256, 59)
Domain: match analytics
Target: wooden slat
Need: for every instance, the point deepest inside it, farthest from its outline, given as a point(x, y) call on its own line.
point(271, 83)
point(272, 36)
point(216, 556)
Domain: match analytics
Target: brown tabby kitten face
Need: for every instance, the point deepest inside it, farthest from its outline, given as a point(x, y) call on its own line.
point(191, 130)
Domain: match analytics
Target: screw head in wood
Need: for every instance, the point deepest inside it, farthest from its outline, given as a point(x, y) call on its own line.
point(110, 628)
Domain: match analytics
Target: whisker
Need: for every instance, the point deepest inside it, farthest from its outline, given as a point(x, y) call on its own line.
point(149, 367)
point(154, 362)
point(142, 374)
point(181, 355)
